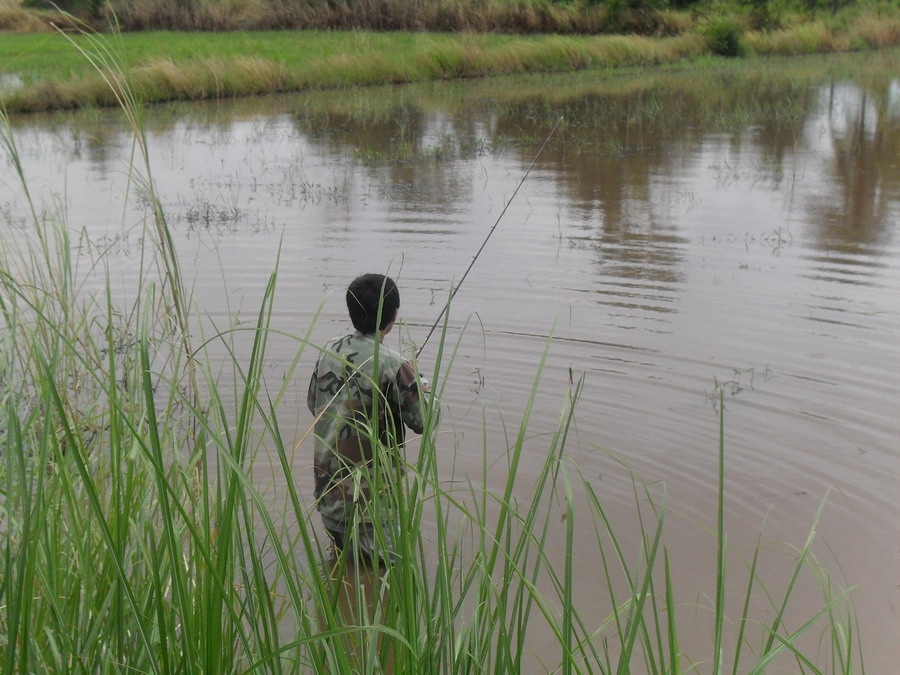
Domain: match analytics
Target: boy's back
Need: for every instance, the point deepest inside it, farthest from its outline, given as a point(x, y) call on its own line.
point(363, 394)
point(357, 412)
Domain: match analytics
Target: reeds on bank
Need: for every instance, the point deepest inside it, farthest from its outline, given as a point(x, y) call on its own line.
point(136, 536)
point(517, 17)
point(506, 16)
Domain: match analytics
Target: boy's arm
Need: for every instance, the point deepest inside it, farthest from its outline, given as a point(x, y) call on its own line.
point(312, 393)
point(411, 403)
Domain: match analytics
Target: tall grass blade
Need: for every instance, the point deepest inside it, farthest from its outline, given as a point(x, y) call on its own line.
point(720, 544)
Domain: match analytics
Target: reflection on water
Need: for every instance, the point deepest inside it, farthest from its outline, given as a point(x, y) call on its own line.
point(858, 208)
point(359, 596)
point(731, 230)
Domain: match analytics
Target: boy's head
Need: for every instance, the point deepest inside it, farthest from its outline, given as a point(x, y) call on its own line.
point(363, 297)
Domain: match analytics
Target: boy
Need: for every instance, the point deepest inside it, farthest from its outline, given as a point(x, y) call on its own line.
point(362, 393)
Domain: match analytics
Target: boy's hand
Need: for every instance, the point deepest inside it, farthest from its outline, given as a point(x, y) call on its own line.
point(423, 383)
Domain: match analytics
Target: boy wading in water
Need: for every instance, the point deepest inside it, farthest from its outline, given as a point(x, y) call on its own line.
point(362, 393)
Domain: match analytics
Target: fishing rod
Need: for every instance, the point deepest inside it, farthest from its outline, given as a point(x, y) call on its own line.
point(490, 232)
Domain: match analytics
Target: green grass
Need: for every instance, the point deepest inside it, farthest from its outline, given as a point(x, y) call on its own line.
point(135, 535)
point(45, 55)
point(168, 66)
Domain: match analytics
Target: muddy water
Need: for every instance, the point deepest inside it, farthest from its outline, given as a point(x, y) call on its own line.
point(683, 234)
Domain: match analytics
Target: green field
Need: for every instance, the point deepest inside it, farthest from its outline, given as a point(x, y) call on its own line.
point(44, 56)
point(58, 73)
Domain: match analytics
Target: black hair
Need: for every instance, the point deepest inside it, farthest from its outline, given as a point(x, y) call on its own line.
point(363, 297)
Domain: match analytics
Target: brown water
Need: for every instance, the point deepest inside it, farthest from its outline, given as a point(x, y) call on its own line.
point(682, 234)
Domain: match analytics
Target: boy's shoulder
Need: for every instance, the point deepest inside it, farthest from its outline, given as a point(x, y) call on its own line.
point(390, 356)
point(357, 348)
point(347, 346)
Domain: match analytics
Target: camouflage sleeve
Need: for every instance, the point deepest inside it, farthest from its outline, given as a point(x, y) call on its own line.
point(410, 398)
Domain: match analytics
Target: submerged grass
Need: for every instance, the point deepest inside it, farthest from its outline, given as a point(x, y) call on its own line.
point(772, 89)
point(135, 535)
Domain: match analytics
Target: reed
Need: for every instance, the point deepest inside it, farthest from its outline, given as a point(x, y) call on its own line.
point(14, 19)
point(136, 535)
point(877, 28)
point(507, 16)
point(643, 17)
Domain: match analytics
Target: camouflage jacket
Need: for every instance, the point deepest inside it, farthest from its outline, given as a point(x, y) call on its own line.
point(361, 410)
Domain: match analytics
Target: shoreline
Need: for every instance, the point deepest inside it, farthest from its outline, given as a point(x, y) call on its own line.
point(54, 71)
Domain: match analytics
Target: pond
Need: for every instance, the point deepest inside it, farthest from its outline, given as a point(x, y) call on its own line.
point(727, 230)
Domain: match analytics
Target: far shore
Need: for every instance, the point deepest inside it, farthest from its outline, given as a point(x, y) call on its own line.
point(41, 72)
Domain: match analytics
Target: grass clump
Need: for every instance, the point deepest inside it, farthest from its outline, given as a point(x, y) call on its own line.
point(164, 80)
point(724, 35)
point(806, 38)
point(849, 29)
point(14, 19)
point(875, 31)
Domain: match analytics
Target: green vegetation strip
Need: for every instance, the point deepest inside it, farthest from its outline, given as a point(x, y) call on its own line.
point(169, 66)
point(49, 71)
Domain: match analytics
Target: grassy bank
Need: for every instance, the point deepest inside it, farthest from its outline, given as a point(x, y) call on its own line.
point(49, 71)
point(136, 535)
point(169, 66)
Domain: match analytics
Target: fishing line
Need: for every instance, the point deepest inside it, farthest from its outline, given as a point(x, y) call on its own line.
point(490, 232)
